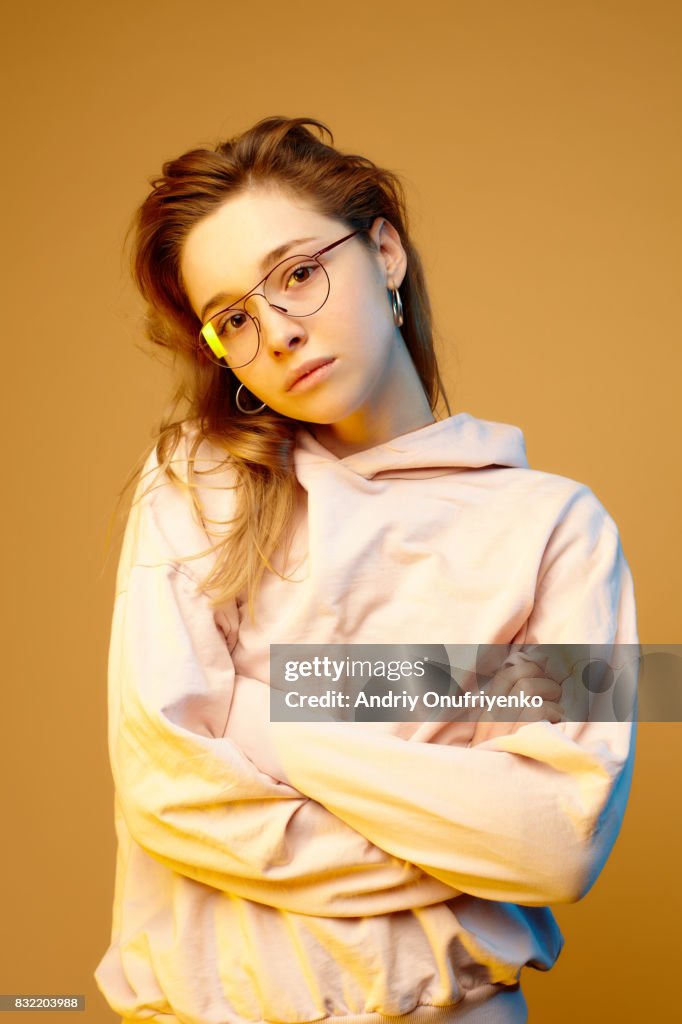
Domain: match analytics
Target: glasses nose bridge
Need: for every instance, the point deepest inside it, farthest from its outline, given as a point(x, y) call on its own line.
point(261, 295)
point(275, 335)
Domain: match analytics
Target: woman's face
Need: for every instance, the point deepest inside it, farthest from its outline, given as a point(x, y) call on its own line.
point(367, 365)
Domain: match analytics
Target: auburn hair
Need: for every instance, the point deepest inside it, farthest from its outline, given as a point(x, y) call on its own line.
point(290, 153)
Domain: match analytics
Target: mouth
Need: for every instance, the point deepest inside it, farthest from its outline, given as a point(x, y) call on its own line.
point(309, 373)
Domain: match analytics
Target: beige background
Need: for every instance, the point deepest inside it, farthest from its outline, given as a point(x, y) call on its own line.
point(540, 144)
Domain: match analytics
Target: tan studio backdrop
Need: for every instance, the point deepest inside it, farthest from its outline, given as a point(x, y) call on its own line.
point(539, 142)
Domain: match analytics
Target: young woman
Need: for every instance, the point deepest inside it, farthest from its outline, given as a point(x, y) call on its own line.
point(303, 490)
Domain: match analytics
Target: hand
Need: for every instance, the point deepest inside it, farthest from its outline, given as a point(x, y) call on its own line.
point(508, 681)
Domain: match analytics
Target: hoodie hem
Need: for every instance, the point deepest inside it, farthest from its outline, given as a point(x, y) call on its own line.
point(503, 1007)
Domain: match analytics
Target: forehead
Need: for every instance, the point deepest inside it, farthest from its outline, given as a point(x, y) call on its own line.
point(223, 251)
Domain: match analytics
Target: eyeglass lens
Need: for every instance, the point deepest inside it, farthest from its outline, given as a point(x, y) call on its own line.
point(298, 286)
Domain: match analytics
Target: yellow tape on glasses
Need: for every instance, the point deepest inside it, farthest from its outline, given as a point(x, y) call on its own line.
point(213, 341)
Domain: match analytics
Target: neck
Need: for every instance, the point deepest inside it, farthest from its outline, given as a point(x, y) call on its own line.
point(398, 406)
point(342, 443)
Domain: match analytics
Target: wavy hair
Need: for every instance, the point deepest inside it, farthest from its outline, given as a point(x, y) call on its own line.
point(290, 153)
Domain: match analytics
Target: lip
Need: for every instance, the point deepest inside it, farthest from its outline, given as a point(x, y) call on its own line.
point(306, 368)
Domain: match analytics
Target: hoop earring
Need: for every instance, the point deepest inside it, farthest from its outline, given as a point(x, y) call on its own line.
point(247, 412)
point(397, 307)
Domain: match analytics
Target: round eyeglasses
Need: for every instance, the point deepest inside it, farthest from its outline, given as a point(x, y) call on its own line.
point(298, 286)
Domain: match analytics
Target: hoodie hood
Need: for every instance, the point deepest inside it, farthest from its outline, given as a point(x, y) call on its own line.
point(458, 442)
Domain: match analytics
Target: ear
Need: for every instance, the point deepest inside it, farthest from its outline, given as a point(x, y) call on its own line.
point(392, 256)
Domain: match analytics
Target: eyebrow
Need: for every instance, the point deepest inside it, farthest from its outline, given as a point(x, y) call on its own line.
point(273, 257)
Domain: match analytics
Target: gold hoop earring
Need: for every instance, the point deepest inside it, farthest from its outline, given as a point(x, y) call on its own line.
point(397, 307)
point(247, 412)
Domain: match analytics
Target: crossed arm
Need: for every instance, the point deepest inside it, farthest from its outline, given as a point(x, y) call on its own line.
point(361, 826)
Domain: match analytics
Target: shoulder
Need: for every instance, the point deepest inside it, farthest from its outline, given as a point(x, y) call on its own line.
point(184, 496)
point(581, 552)
point(554, 500)
point(494, 460)
point(185, 461)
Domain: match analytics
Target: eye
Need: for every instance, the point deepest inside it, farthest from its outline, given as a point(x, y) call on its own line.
point(231, 324)
point(301, 275)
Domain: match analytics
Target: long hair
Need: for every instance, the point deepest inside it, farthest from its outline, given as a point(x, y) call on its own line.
point(276, 151)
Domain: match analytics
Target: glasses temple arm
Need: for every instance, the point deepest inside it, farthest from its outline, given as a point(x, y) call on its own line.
point(334, 244)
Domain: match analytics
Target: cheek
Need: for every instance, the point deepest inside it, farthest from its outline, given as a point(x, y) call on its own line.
point(378, 311)
point(249, 375)
point(367, 314)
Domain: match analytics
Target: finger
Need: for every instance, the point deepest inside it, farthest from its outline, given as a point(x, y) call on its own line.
point(485, 730)
point(504, 680)
point(519, 668)
point(545, 688)
point(549, 711)
point(515, 680)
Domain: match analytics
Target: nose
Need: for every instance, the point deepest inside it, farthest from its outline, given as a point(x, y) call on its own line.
point(279, 332)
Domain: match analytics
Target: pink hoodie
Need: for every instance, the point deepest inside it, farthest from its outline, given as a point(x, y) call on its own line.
point(272, 872)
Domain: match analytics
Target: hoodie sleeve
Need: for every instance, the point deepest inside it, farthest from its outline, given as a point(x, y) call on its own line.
point(529, 817)
point(188, 794)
